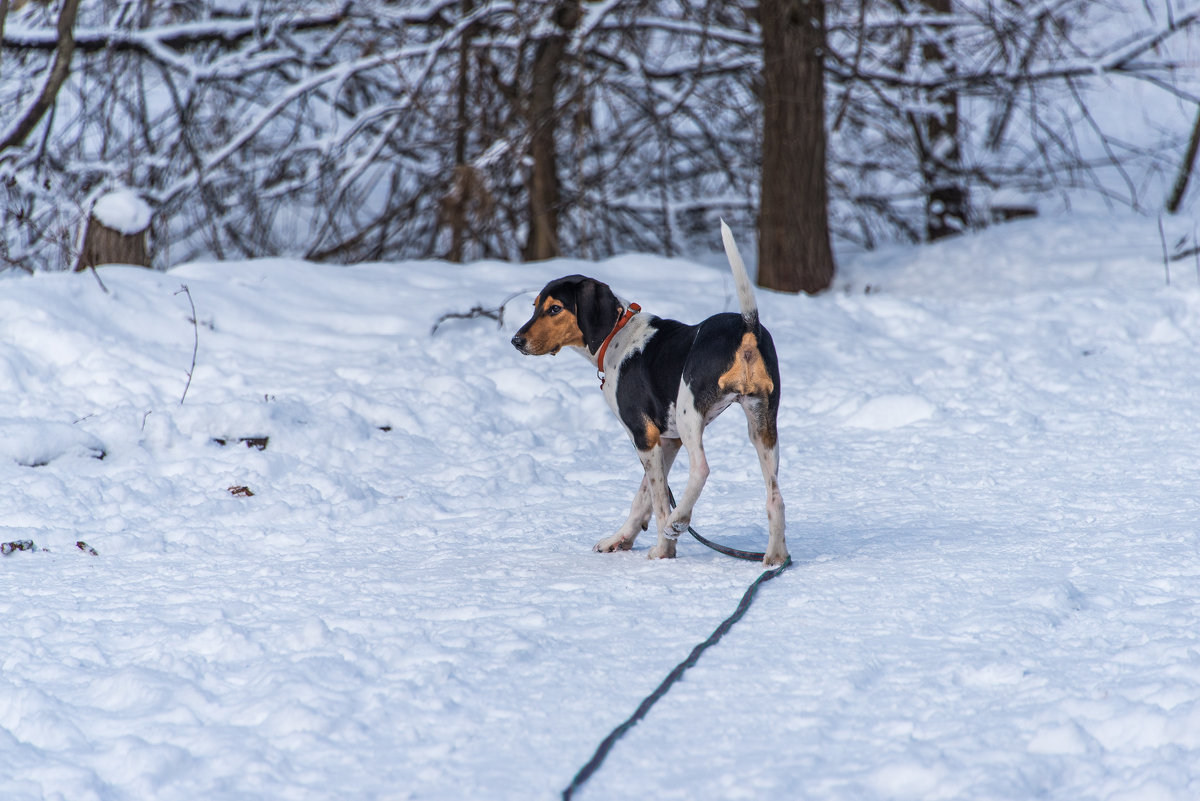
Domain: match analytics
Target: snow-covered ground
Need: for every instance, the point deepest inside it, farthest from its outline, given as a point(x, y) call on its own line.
point(990, 460)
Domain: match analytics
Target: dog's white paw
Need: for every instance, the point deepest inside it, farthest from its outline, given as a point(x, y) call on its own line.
point(775, 557)
point(617, 542)
point(679, 526)
point(663, 550)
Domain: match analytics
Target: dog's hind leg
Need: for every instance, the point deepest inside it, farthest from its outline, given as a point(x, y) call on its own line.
point(642, 508)
point(763, 433)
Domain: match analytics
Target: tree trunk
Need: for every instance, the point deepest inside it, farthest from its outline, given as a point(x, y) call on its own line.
point(455, 204)
point(542, 115)
point(123, 244)
point(946, 202)
point(794, 252)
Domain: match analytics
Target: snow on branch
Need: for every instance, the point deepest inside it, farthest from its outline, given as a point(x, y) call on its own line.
point(178, 37)
point(64, 49)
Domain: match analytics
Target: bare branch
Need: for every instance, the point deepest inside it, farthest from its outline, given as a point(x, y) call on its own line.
point(1179, 188)
point(183, 288)
point(63, 50)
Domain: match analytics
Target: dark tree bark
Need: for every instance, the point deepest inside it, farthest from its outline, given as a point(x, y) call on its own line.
point(794, 252)
point(941, 162)
point(63, 51)
point(454, 205)
point(542, 114)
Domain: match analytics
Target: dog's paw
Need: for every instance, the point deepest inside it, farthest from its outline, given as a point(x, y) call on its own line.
point(775, 557)
point(663, 550)
point(617, 542)
point(679, 526)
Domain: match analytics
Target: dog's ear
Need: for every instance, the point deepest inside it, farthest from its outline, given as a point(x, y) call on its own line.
point(597, 310)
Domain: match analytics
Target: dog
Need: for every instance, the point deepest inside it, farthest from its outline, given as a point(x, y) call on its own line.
point(665, 381)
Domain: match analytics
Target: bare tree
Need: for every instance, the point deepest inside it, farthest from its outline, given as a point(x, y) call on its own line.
point(937, 134)
point(543, 114)
point(1032, 74)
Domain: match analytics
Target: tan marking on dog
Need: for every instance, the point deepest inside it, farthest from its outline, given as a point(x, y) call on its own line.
point(748, 374)
point(550, 334)
point(653, 435)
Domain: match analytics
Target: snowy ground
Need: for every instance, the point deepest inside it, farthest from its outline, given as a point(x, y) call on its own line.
point(989, 459)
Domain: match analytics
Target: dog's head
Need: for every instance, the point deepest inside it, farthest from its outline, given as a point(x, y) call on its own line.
point(575, 311)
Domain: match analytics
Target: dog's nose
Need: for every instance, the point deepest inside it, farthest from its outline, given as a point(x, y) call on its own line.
point(518, 342)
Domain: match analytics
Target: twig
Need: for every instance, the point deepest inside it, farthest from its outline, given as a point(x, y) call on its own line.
point(1175, 199)
point(1162, 236)
point(98, 281)
point(195, 342)
point(1180, 255)
point(1186, 247)
point(477, 311)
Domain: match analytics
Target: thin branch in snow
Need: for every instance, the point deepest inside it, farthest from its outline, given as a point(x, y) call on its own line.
point(195, 341)
point(478, 311)
point(1162, 237)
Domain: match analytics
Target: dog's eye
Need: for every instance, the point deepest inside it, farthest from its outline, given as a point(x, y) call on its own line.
point(553, 310)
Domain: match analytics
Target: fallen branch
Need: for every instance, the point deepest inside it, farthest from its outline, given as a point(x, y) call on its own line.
point(478, 311)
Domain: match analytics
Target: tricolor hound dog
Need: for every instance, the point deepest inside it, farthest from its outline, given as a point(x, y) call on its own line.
point(666, 381)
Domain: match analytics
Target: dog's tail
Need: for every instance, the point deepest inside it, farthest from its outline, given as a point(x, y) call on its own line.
point(745, 290)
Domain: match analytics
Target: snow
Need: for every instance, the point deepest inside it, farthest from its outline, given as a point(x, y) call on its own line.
point(989, 460)
point(123, 211)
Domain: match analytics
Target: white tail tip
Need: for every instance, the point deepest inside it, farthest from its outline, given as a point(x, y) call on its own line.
point(741, 280)
point(731, 248)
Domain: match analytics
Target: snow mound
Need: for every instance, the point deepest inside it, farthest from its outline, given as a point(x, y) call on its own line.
point(885, 412)
point(36, 443)
point(122, 210)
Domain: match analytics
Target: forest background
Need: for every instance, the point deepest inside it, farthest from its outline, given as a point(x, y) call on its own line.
point(483, 129)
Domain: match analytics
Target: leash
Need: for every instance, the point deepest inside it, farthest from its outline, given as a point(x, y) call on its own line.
point(750, 556)
point(677, 672)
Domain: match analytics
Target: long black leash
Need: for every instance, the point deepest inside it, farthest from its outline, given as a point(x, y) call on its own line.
point(750, 556)
point(677, 672)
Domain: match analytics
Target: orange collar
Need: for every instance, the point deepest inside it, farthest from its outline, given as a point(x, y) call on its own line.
point(632, 310)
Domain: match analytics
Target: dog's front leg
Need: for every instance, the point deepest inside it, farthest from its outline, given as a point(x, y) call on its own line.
point(691, 431)
point(642, 508)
